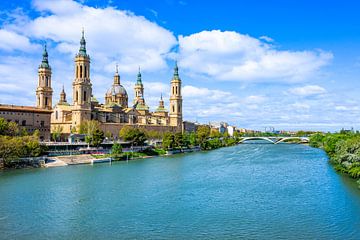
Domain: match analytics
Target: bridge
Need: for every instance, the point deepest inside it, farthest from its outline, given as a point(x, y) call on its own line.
point(275, 140)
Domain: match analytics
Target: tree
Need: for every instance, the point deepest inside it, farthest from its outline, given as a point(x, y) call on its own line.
point(214, 133)
point(202, 133)
point(116, 149)
point(97, 138)
point(135, 135)
point(12, 129)
point(94, 136)
point(192, 139)
point(168, 141)
point(56, 132)
point(124, 131)
point(178, 140)
point(8, 128)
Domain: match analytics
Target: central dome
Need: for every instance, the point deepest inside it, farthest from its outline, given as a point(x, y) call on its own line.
point(116, 90)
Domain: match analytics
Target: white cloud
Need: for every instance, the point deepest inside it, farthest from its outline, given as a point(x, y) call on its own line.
point(112, 35)
point(309, 90)
point(233, 56)
point(267, 39)
point(196, 92)
point(10, 41)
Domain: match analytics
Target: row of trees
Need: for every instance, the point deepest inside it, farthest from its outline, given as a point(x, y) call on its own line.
point(15, 142)
point(95, 136)
point(343, 149)
point(204, 137)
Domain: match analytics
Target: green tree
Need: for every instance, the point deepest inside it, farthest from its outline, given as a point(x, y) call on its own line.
point(202, 133)
point(97, 138)
point(135, 135)
point(192, 139)
point(56, 132)
point(116, 149)
point(94, 136)
point(168, 141)
point(178, 140)
point(3, 126)
point(214, 133)
point(12, 129)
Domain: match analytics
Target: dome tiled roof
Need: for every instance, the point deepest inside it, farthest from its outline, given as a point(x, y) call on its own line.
point(116, 89)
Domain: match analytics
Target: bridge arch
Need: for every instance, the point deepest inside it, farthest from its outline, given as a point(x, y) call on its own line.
point(302, 139)
point(256, 138)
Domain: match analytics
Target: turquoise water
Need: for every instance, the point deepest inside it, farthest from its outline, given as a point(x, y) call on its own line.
point(252, 191)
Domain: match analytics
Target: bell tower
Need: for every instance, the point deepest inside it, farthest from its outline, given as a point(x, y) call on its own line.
point(44, 90)
point(139, 90)
point(176, 99)
point(82, 88)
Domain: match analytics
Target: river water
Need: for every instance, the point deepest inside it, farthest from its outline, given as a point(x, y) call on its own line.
point(251, 191)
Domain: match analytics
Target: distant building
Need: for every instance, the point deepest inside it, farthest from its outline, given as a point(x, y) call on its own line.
point(231, 130)
point(219, 126)
point(30, 118)
point(189, 126)
point(35, 118)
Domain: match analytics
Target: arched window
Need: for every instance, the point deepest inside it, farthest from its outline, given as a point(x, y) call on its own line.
point(46, 81)
point(178, 108)
point(81, 71)
point(85, 72)
point(56, 115)
point(176, 89)
point(46, 101)
point(84, 96)
point(173, 108)
point(77, 96)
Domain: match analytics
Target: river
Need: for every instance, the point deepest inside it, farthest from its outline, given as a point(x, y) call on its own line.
point(251, 191)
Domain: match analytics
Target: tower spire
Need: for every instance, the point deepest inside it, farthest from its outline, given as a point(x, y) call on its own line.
point(45, 59)
point(176, 71)
point(82, 50)
point(62, 96)
point(139, 77)
point(117, 76)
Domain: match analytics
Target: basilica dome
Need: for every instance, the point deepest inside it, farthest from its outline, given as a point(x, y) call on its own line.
point(116, 90)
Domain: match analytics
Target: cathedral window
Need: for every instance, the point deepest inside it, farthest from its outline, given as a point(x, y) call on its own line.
point(56, 115)
point(173, 108)
point(85, 72)
point(77, 96)
point(80, 71)
point(84, 96)
point(46, 101)
point(176, 89)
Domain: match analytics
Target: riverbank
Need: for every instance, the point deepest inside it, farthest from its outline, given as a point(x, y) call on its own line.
point(343, 150)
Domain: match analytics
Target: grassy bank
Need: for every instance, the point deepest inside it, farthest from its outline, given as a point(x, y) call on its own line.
point(343, 150)
point(131, 155)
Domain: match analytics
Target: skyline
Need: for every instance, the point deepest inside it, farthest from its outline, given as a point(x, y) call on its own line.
point(233, 70)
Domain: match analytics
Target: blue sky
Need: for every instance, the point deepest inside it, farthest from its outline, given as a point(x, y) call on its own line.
point(286, 64)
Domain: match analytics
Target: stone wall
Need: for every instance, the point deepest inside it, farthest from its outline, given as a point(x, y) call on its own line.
point(34, 162)
point(115, 128)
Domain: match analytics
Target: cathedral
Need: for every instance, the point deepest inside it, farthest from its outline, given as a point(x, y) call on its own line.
point(117, 111)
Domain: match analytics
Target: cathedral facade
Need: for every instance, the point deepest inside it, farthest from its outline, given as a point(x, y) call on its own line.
point(116, 111)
